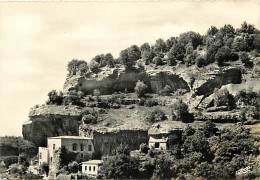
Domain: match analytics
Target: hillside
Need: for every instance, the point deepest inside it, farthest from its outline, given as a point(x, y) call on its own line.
point(162, 89)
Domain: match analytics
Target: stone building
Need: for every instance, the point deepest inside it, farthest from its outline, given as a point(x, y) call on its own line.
point(82, 146)
point(158, 143)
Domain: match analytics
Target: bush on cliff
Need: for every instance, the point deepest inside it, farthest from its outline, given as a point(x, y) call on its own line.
point(156, 116)
point(180, 112)
point(140, 89)
point(55, 97)
point(77, 67)
point(224, 98)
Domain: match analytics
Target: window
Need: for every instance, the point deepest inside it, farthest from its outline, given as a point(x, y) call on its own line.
point(40, 156)
point(51, 159)
point(89, 148)
point(156, 145)
point(85, 168)
point(94, 168)
point(89, 168)
point(53, 146)
point(74, 147)
point(82, 147)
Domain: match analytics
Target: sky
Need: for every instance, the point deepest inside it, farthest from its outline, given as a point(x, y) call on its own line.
point(38, 39)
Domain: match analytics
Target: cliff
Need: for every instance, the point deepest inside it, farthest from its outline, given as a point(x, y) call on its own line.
point(118, 80)
point(48, 121)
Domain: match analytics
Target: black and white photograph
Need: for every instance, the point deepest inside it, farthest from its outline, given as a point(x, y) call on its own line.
point(130, 90)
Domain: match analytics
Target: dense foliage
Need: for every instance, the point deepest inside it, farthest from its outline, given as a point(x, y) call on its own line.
point(206, 152)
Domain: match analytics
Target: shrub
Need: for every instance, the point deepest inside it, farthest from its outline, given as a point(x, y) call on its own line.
point(156, 116)
point(150, 102)
point(165, 91)
point(73, 167)
point(44, 168)
point(94, 66)
point(181, 113)
point(55, 98)
point(157, 61)
point(72, 98)
point(200, 61)
point(144, 148)
point(77, 66)
point(89, 119)
point(223, 55)
point(140, 89)
point(244, 57)
point(178, 51)
point(224, 98)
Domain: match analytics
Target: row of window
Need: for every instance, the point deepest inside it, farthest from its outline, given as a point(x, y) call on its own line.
point(75, 147)
point(89, 168)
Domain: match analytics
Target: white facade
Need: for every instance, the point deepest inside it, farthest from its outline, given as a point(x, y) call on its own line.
point(81, 145)
point(158, 143)
point(91, 168)
point(43, 155)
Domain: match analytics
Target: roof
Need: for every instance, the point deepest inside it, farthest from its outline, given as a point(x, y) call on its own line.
point(160, 140)
point(93, 162)
point(69, 137)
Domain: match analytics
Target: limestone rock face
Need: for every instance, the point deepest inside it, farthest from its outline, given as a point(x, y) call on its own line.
point(119, 81)
point(49, 121)
point(217, 80)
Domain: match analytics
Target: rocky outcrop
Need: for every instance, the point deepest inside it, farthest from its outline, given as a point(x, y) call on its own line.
point(106, 140)
point(218, 79)
point(119, 81)
point(49, 121)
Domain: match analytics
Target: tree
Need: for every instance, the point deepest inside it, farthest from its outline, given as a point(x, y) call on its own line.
point(94, 66)
point(180, 112)
point(120, 165)
point(73, 167)
point(134, 53)
point(156, 115)
point(129, 56)
point(144, 148)
point(228, 31)
point(191, 37)
point(212, 31)
point(239, 44)
point(45, 168)
point(171, 59)
point(66, 156)
point(55, 98)
point(72, 98)
point(145, 47)
point(178, 51)
point(140, 89)
point(223, 55)
point(160, 47)
point(247, 28)
point(200, 61)
point(83, 68)
point(243, 56)
point(224, 98)
point(73, 66)
point(170, 42)
point(157, 61)
point(109, 60)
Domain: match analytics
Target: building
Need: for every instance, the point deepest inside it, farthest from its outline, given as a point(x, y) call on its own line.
point(82, 146)
point(43, 155)
point(91, 168)
point(158, 143)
